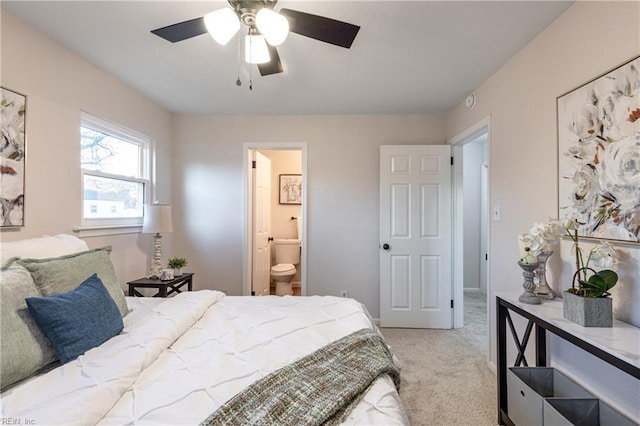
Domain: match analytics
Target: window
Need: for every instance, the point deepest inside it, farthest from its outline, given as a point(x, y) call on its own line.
point(115, 173)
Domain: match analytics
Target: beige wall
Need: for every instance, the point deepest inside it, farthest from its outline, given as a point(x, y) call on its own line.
point(58, 85)
point(342, 192)
point(587, 40)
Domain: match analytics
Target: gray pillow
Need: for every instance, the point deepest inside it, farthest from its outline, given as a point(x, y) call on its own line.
point(24, 349)
point(62, 274)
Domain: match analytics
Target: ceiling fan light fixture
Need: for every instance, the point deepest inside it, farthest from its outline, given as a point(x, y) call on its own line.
point(255, 49)
point(222, 25)
point(274, 26)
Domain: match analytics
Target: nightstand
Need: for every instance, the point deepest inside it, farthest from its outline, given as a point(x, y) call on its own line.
point(165, 287)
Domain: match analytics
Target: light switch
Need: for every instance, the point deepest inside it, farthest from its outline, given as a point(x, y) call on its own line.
point(496, 213)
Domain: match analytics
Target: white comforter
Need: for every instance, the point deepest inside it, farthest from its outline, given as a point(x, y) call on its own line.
point(186, 356)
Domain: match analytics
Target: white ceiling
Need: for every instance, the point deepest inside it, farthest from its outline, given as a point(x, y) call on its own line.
point(409, 56)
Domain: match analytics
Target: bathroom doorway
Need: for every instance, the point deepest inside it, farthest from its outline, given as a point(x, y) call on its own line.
point(282, 219)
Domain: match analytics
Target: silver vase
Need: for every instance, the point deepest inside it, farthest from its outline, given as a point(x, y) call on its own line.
point(528, 272)
point(542, 289)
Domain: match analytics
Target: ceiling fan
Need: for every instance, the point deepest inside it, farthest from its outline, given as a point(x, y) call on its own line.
point(266, 30)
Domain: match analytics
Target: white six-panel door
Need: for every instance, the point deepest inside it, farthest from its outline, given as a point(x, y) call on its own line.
point(415, 236)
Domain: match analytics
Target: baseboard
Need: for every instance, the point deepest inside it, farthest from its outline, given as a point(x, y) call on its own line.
point(471, 290)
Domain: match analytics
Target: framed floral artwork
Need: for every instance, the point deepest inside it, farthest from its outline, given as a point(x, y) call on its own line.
point(599, 155)
point(13, 112)
point(290, 189)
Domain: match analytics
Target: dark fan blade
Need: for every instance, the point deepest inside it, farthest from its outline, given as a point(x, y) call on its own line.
point(274, 66)
point(182, 30)
point(320, 28)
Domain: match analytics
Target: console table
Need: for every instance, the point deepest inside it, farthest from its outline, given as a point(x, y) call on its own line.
point(618, 345)
point(174, 285)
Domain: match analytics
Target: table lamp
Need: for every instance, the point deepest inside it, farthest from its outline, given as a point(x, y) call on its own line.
point(157, 220)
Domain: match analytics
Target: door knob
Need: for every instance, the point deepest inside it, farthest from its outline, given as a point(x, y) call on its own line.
point(386, 246)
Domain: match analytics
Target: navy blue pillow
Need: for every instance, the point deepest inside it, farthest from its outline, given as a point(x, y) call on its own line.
point(79, 320)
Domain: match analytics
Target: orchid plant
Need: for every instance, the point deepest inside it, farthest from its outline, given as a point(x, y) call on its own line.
point(599, 282)
point(590, 282)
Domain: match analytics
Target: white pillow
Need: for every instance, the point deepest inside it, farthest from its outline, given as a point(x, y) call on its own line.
point(42, 247)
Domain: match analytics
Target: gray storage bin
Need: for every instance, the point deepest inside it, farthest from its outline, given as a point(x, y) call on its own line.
point(528, 386)
point(571, 411)
point(582, 412)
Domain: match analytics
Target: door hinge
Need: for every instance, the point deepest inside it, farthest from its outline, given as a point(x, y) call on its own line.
point(253, 164)
point(452, 161)
point(451, 303)
point(486, 256)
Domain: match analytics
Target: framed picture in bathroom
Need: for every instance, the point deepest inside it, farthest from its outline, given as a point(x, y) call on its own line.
point(290, 189)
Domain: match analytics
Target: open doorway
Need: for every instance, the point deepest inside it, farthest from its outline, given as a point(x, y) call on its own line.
point(471, 227)
point(275, 211)
point(474, 236)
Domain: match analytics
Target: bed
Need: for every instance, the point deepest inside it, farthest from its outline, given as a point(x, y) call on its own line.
point(201, 356)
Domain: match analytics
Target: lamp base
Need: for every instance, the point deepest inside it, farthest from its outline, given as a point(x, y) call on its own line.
point(156, 264)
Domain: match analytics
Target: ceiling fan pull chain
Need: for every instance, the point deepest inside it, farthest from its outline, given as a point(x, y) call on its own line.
point(238, 82)
point(250, 67)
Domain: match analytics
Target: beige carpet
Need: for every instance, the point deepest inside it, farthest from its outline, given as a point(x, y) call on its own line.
point(445, 376)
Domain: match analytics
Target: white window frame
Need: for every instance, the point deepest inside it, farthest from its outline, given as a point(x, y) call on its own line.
point(146, 145)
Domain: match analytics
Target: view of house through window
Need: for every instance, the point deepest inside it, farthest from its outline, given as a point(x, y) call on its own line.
point(115, 172)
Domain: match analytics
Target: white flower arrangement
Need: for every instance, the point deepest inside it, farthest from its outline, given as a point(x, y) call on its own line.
point(543, 236)
point(540, 239)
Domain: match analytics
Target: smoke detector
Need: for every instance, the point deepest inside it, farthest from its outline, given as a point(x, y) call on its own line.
point(470, 101)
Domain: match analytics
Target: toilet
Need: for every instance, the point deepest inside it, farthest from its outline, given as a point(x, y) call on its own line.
point(287, 256)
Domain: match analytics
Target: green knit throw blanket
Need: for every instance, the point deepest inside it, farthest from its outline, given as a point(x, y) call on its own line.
point(320, 388)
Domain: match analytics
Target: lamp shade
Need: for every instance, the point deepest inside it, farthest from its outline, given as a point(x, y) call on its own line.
point(273, 26)
point(157, 219)
point(255, 49)
point(222, 25)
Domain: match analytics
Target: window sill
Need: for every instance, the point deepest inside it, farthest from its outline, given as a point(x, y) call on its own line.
point(98, 231)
